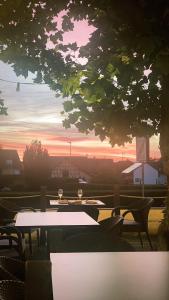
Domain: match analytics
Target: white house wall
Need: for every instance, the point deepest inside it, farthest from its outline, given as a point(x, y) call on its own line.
point(150, 175)
point(137, 176)
point(162, 179)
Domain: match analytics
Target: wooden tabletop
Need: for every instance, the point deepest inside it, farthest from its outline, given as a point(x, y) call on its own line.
point(73, 202)
point(110, 275)
point(52, 218)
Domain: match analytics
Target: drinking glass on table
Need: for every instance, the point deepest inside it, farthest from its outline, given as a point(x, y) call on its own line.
point(80, 193)
point(60, 193)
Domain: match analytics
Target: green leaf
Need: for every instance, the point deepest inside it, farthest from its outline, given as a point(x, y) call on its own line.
point(68, 106)
point(67, 24)
point(125, 59)
point(57, 36)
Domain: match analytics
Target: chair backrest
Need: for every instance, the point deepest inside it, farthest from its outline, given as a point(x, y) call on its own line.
point(142, 211)
point(112, 225)
point(91, 211)
point(9, 205)
point(8, 210)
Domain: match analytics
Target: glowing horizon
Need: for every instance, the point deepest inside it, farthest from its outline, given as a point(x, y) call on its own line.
point(81, 147)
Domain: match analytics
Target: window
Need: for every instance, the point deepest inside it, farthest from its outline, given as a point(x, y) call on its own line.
point(9, 162)
point(137, 180)
point(16, 172)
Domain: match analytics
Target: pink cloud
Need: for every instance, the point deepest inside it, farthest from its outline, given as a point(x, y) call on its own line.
point(77, 150)
point(67, 139)
point(80, 34)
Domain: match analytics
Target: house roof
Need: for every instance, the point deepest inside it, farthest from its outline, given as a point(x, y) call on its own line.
point(131, 168)
point(8, 154)
point(76, 163)
point(156, 164)
point(90, 166)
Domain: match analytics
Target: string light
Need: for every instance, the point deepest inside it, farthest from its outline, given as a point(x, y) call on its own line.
point(18, 87)
point(19, 83)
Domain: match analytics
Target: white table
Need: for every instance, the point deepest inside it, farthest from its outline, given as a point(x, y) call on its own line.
point(52, 218)
point(110, 276)
point(97, 203)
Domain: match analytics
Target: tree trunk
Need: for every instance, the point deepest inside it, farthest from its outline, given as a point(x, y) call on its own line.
point(164, 142)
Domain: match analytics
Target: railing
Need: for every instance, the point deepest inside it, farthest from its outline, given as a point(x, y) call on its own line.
point(41, 199)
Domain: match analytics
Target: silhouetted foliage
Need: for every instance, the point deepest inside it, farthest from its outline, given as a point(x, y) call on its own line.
point(36, 165)
point(3, 109)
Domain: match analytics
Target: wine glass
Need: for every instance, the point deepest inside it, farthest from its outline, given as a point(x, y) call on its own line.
point(60, 193)
point(80, 193)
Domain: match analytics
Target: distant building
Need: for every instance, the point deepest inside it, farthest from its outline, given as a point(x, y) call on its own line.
point(10, 163)
point(144, 170)
point(151, 174)
point(82, 168)
point(10, 169)
point(69, 167)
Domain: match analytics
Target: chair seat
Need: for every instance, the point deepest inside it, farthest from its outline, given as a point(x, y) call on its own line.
point(112, 225)
point(131, 225)
point(9, 211)
point(139, 212)
point(5, 242)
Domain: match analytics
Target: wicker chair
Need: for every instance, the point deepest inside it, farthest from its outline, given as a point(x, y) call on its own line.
point(11, 290)
point(11, 268)
point(59, 235)
point(101, 238)
point(8, 213)
point(112, 225)
point(12, 239)
point(140, 211)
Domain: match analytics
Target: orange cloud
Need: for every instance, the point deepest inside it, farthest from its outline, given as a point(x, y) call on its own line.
point(76, 149)
point(80, 146)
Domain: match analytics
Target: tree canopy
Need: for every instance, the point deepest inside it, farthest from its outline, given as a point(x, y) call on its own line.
point(36, 164)
point(122, 90)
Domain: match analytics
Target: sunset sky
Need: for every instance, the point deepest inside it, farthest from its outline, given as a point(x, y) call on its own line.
point(34, 113)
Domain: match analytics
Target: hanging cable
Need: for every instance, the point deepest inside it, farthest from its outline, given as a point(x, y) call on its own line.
point(19, 83)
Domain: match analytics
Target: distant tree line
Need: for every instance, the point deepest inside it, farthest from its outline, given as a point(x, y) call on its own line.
point(36, 165)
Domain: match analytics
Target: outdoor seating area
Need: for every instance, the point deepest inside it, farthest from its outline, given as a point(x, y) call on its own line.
point(81, 232)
